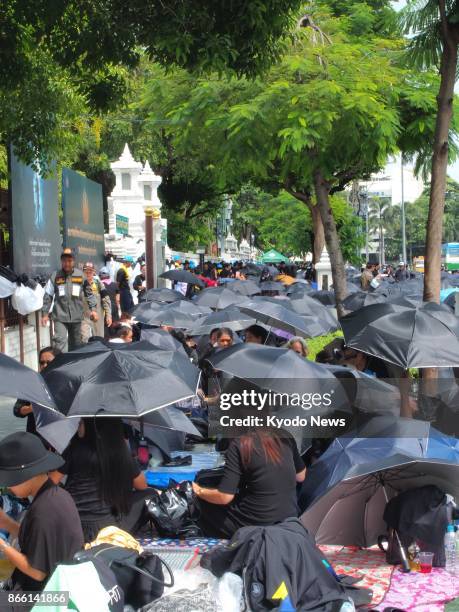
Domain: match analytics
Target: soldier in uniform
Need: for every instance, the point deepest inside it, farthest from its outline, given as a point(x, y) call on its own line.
point(66, 286)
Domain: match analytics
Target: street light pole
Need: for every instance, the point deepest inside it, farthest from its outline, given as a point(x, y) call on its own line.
point(150, 215)
point(403, 214)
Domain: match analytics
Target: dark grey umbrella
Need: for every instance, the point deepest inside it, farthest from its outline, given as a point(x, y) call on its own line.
point(230, 317)
point(351, 512)
point(183, 276)
point(171, 418)
point(421, 337)
point(20, 382)
point(218, 298)
point(163, 295)
point(244, 287)
point(177, 314)
point(160, 338)
point(327, 298)
point(359, 299)
point(54, 427)
point(126, 380)
point(271, 286)
point(306, 306)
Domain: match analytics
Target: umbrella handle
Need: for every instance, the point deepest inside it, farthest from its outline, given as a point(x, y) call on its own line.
point(405, 565)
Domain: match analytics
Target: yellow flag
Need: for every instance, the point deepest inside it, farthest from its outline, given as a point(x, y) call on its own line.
point(281, 592)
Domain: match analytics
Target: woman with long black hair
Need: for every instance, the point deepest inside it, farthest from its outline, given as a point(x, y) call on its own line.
point(102, 476)
point(258, 486)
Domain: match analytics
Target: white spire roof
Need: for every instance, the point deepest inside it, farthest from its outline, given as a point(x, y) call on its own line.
point(126, 161)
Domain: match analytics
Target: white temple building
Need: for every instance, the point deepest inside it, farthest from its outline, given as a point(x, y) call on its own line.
point(136, 189)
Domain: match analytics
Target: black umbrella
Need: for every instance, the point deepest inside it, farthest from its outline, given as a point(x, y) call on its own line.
point(422, 337)
point(280, 370)
point(278, 316)
point(359, 299)
point(163, 295)
point(171, 418)
point(300, 288)
point(126, 380)
point(270, 286)
point(177, 314)
point(252, 269)
point(327, 298)
point(351, 512)
point(160, 338)
point(218, 298)
point(230, 317)
point(244, 287)
point(19, 381)
point(183, 276)
point(305, 305)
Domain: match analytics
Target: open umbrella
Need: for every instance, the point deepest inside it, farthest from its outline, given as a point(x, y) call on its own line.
point(20, 382)
point(177, 314)
point(359, 299)
point(278, 316)
point(244, 287)
point(126, 380)
point(421, 337)
point(351, 512)
point(160, 338)
point(327, 298)
point(280, 370)
point(163, 295)
point(182, 276)
point(230, 317)
point(171, 418)
point(218, 298)
point(305, 305)
point(379, 438)
point(270, 286)
point(54, 427)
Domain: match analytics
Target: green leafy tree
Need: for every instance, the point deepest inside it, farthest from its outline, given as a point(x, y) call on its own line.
point(433, 26)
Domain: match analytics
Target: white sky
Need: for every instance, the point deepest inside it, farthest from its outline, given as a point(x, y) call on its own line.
point(453, 170)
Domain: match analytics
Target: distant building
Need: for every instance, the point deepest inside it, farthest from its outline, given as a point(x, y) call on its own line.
point(387, 184)
point(135, 190)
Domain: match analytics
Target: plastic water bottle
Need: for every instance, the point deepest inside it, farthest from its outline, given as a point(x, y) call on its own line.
point(450, 550)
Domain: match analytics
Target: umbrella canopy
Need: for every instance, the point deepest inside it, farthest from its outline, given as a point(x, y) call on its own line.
point(171, 418)
point(160, 338)
point(359, 299)
point(163, 295)
point(54, 427)
point(270, 286)
point(426, 336)
point(20, 382)
point(230, 317)
point(327, 298)
point(305, 305)
point(300, 287)
point(177, 314)
point(281, 317)
point(351, 512)
point(127, 380)
point(280, 370)
point(244, 287)
point(450, 300)
point(379, 438)
point(182, 276)
point(218, 298)
point(273, 256)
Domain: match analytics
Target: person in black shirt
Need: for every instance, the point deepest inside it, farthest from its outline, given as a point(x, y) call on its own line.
point(50, 532)
point(125, 297)
point(101, 476)
point(258, 486)
point(139, 283)
point(23, 408)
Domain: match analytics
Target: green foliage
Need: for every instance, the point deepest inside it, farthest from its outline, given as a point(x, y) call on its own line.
point(188, 234)
point(315, 345)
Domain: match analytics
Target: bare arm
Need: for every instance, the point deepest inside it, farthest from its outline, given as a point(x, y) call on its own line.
point(213, 496)
point(56, 477)
point(140, 483)
point(20, 561)
point(301, 475)
point(8, 524)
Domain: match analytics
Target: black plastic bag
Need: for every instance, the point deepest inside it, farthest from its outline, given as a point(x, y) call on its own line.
point(171, 513)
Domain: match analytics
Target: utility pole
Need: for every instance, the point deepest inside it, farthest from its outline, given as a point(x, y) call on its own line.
point(403, 214)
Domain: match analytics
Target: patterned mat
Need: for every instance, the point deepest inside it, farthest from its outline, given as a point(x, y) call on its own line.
point(368, 564)
point(416, 592)
point(202, 544)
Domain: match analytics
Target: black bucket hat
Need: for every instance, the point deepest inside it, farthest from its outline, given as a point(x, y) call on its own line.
point(23, 456)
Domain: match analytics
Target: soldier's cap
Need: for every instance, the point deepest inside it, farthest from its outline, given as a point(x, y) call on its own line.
point(89, 266)
point(67, 253)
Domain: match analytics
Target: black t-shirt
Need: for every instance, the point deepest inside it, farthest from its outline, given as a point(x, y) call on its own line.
point(82, 483)
point(122, 279)
point(267, 491)
point(49, 534)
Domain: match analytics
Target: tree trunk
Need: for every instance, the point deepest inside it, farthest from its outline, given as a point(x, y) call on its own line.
point(322, 189)
point(319, 235)
point(439, 167)
point(317, 225)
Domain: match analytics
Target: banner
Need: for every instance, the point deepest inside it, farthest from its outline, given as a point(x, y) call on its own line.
point(122, 225)
point(83, 218)
point(35, 221)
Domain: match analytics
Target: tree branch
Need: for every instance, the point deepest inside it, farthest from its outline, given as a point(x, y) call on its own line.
point(303, 197)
